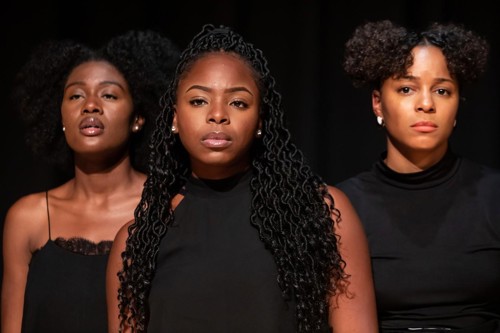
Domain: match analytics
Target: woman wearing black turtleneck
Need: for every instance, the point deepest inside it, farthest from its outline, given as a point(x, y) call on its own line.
point(432, 218)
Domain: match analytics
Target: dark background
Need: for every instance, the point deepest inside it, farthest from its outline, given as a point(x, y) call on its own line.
point(303, 40)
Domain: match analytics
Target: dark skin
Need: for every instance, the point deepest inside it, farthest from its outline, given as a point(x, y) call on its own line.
point(419, 111)
point(217, 118)
point(97, 113)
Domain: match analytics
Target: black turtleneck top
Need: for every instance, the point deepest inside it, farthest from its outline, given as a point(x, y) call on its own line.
point(434, 239)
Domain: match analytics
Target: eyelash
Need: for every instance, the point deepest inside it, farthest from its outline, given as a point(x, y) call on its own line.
point(240, 104)
point(443, 91)
point(197, 102)
point(237, 103)
point(404, 90)
point(440, 91)
point(106, 96)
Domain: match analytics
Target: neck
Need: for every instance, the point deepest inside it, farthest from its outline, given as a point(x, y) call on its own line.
point(411, 161)
point(107, 179)
point(215, 172)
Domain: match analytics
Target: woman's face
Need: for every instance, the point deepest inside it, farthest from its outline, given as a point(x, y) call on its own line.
point(419, 109)
point(217, 115)
point(97, 111)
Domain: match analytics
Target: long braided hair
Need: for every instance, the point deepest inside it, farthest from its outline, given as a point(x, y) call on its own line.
point(291, 207)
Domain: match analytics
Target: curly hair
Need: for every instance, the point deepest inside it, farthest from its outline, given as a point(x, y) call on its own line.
point(291, 206)
point(382, 49)
point(145, 59)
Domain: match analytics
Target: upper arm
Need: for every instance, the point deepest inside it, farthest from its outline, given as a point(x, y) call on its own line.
point(21, 227)
point(354, 310)
point(115, 265)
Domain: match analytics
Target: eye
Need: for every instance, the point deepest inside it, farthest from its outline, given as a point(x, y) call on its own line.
point(405, 90)
point(75, 96)
point(239, 104)
point(197, 102)
point(442, 92)
point(109, 96)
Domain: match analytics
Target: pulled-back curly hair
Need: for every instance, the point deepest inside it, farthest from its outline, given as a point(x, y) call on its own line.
point(291, 207)
point(146, 59)
point(379, 50)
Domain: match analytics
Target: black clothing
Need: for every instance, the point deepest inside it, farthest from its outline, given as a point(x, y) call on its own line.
point(434, 239)
point(213, 272)
point(65, 292)
point(65, 289)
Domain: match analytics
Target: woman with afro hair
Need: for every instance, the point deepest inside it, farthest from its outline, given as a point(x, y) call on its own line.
point(90, 112)
point(432, 217)
point(234, 232)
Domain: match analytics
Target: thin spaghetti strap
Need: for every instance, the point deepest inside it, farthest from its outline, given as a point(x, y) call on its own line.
point(48, 215)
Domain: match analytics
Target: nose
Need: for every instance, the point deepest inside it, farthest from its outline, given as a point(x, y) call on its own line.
point(218, 114)
point(92, 106)
point(425, 102)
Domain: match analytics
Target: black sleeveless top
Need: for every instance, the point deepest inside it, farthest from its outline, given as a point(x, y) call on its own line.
point(213, 272)
point(65, 289)
point(434, 240)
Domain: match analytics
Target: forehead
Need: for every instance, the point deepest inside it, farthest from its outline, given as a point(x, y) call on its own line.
point(222, 63)
point(96, 69)
point(428, 58)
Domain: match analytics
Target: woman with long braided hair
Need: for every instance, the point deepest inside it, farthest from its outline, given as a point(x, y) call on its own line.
point(234, 232)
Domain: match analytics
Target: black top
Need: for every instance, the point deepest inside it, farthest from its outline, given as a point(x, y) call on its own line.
point(65, 288)
point(65, 292)
point(213, 272)
point(434, 238)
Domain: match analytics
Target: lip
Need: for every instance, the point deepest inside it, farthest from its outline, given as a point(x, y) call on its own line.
point(216, 140)
point(424, 126)
point(91, 126)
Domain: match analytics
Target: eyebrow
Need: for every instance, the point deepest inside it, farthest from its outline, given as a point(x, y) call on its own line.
point(102, 83)
point(229, 90)
point(415, 78)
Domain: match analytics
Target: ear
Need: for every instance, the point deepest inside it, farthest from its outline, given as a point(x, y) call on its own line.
point(377, 103)
point(258, 132)
point(174, 121)
point(138, 123)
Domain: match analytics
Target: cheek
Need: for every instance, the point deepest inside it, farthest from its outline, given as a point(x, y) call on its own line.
point(448, 112)
point(449, 122)
point(67, 116)
point(189, 132)
point(395, 111)
point(186, 126)
point(248, 130)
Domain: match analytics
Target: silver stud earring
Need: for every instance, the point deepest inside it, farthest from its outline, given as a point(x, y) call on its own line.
point(455, 123)
point(259, 133)
point(380, 120)
point(64, 128)
point(174, 129)
point(136, 128)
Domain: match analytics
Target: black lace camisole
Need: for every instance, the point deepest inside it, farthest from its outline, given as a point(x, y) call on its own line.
point(65, 289)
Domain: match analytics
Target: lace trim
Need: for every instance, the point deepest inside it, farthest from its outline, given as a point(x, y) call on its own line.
point(84, 246)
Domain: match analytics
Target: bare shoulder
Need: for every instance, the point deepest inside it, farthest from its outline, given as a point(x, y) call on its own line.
point(123, 231)
point(349, 222)
point(341, 201)
point(28, 211)
point(27, 220)
point(121, 237)
point(359, 297)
